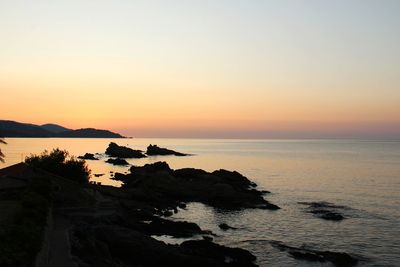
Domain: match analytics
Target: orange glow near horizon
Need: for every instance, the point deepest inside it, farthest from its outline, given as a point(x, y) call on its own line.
point(148, 70)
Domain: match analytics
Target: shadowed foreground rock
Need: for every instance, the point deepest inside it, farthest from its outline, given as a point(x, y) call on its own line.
point(157, 183)
point(114, 150)
point(337, 258)
point(154, 150)
point(113, 246)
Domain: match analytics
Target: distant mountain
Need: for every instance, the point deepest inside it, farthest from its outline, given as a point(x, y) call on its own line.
point(17, 129)
point(54, 128)
point(89, 133)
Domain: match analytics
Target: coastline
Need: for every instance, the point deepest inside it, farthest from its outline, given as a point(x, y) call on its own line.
point(277, 196)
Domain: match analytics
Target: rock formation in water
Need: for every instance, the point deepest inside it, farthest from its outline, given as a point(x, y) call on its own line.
point(117, 161)
point(226, 227)
point(158, 183)
point(154, 150)
point(114, 150)
point(325, 210)
point(88, 156)
point(302, 253)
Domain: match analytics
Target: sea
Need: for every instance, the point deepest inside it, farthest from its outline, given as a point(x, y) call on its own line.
point(362, 175)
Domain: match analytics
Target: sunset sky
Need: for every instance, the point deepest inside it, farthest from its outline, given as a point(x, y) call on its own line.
point(237, 69)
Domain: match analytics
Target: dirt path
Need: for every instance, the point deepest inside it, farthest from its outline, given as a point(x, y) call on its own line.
point(60, 251)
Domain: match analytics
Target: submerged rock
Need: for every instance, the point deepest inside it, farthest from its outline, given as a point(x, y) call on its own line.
point(337, 258)
point(325, 210)
point(115, 150)
point(230, 256)
point(160, 184)
point(322, 205)
point(225, 227)
point(88, 156)
point(117, 161)
point(154, 150)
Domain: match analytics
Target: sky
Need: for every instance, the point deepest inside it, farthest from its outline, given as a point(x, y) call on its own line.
point(215, 69)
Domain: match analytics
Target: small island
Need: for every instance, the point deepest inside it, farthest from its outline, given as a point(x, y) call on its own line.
point(114, 150)
point(154, 150)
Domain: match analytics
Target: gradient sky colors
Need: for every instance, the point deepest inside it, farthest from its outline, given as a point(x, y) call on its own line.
point(283, 69)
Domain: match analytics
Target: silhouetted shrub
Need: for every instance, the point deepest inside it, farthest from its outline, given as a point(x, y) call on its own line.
point(59, 162)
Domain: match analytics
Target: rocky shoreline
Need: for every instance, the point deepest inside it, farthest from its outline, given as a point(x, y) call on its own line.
point(138, 210)
point(115, 226)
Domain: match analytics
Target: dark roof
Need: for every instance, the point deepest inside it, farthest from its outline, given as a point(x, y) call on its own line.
point(20, 175)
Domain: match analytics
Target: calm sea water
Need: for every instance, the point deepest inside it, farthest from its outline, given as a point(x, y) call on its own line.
point(361, 174)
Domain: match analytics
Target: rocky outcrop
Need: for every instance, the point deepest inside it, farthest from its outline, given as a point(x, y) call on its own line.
point(88, 156)
point(337, 258)
point(115, 150)
point(158, 183)
point(118, 161)
point(154, 150)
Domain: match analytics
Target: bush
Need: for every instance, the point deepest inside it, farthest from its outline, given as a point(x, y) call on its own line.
point(59, 162)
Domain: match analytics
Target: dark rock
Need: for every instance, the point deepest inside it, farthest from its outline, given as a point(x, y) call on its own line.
point(322, 204)
point(118, 176)
point(88, 156)
point(332, 216)
point(167, 213)
point(160, 166)
point(236, 256)
point(98, 174)
point(173, 228)
point(207, 238)
point(225, 227)
point(104, 245)
point(268, 206)
point(302, 253)
point(115, 150)
point(182, 205)
point(154, 150)
point(224, 189)
point(325, 210)
point(132, 248)
point(117, 161)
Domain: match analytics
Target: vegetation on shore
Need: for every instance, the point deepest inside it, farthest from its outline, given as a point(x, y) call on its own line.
point(61, 163)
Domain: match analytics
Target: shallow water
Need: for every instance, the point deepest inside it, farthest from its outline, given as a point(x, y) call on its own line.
point(362, 175)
